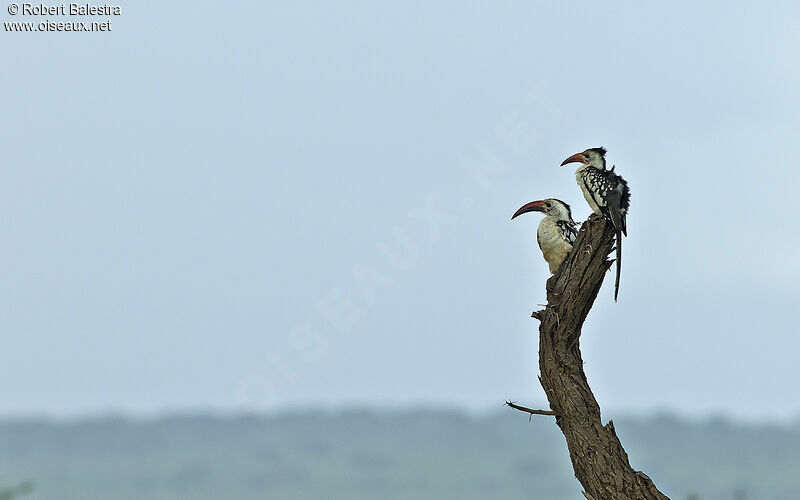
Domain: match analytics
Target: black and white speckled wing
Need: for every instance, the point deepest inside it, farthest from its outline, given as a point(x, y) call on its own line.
point(568, 231)
point(610, 194)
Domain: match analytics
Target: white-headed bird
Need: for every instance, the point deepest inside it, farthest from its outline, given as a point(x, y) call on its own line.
point(606, 192)
point(556, 232)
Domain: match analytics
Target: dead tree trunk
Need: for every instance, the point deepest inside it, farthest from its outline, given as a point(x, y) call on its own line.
point(600, 463)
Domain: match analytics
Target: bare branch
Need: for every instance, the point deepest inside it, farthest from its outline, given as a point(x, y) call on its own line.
point(511, 404)
point(598, 458)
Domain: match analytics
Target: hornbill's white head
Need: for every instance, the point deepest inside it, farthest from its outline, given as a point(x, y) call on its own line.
point(551, 207)
point(592, 157)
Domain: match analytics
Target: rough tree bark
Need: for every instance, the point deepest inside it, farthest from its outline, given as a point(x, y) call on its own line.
point(598, 458)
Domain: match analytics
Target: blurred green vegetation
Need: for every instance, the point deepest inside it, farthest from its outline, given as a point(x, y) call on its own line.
point(358, 455)
point(17, 491)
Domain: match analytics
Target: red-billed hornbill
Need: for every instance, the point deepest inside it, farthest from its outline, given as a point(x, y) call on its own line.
point(556, 232)
point(606, 192)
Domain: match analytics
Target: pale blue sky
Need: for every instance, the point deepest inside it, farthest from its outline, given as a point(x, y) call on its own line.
point(262, 205)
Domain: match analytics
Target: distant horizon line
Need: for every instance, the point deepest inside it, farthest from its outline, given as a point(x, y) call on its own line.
point(369, 409)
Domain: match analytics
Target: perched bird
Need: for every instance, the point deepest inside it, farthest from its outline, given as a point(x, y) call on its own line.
point(606, 192)
point(556, 232)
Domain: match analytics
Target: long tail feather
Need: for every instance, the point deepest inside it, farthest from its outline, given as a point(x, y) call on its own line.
point(619, 263)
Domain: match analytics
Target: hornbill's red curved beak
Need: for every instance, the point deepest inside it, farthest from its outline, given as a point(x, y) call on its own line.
point(577, 157)
point(534, 206)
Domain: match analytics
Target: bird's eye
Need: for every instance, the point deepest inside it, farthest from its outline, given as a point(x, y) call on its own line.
point(547, 205)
